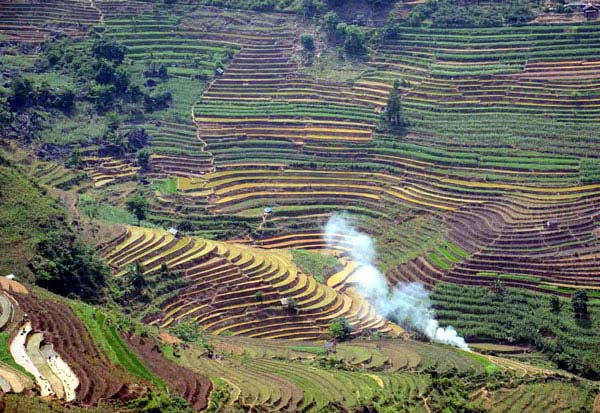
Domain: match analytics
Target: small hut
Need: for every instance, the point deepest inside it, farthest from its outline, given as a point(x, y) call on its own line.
point(173, 231)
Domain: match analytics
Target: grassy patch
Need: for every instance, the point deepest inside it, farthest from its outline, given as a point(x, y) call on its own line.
point(218, 396)
point(6, 357)
point(513, 277)
point(307, 349)
point(319, 266)
point(517, 316)
point(108, 339)
point(27, 217)
point(166, 186)
point(489, 367)
point(105, 212)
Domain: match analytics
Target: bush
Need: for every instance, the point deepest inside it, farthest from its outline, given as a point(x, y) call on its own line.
point(160, 402)
point(143, 159)
point(307, 42)
point(66, 266)
point(157, 101)
point(340, 328)
point(354, 43)
point(108, 49)
point(330, 22)
point(138, 206)
point(259, 296)
point(579, 301)
point(189, 331)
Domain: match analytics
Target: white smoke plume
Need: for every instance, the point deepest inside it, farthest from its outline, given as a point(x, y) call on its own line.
point(406, 302)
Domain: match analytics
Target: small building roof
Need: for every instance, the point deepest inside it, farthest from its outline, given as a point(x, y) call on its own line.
point(219, 71)
point(173, 231)
point(10, 276)
point(268, 210)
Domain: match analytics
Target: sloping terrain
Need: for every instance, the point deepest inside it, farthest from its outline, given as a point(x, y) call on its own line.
point(200, 148)
point(222, 283)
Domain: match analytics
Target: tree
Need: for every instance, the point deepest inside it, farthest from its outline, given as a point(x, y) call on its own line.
point(307, 42)
point(518, 13)
point(393, 110)
point(111, 50)
point(157, 401)
point(143, 159)
point(330, 22)
point(354, 43)
point(21, 93)
point(102, 96)
point(137, 138)
point(579, 301)
point(65, 101)
point(555, 304)
point(340, 328)
point(188, 330)
point(137, 279)
point(138, 206)
point(311, 7)
point(67, 266)
point(259, 296)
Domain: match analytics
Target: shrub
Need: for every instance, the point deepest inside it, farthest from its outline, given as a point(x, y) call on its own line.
point(259, 296)
point(555, 304)
point(108, 49)
point(138, 206)
point(189, 331)
point(330, 22)
point(143, 159)
point(66, 266)
point(579, 301)
point(340, 328)
point(307, 42)
point(160, 402)
point(354, 43)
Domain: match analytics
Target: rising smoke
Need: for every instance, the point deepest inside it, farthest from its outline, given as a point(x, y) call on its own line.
point(408, 303)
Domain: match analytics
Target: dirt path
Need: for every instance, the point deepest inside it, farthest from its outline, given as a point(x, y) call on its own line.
point(596, 405)
point(93, 6)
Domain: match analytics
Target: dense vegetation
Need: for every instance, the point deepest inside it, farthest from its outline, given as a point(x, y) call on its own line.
point(461, 138)
point(36, 234)
point(515, 316)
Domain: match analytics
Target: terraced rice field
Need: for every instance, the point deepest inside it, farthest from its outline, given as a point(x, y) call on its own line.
point(34, 21)
point(499, 123)
point(78, 355)
point(291, 377)
point(222, 282)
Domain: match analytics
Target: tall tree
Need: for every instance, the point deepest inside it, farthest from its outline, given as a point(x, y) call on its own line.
point(138, 206)
point(579, 301)
point(393, 110)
